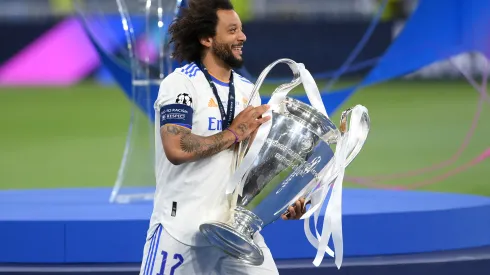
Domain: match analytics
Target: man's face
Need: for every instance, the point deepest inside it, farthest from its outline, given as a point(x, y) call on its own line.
point(228, 43)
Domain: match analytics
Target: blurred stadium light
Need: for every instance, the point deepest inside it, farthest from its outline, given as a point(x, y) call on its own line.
point(313, 9)
point(258, 9)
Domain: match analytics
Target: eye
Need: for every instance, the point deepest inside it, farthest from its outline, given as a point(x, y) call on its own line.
point(233, 30)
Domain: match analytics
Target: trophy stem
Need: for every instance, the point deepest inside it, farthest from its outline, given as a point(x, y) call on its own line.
point(235, 238)
point(246, 221)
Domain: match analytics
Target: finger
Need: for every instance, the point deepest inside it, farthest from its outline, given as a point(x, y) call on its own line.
point(248, 109)
point(262, 109)
point(292, 213)
point(263, 120)
point(298, 205)
point(303, 205)
point(284, 217)
point(298, 208)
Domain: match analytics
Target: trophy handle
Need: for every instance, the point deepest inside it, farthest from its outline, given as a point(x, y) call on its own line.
point(286, 87)
point(361, 131)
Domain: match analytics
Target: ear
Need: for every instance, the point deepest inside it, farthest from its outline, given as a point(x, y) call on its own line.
point(206, 41)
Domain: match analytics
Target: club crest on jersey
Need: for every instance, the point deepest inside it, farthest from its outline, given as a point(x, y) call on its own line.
point(185, 99)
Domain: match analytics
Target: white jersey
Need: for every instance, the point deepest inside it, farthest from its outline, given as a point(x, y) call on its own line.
point(192, 193)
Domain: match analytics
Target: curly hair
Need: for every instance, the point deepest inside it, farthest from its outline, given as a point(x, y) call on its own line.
point(196, 21)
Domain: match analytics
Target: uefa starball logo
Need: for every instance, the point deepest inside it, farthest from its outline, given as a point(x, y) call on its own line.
point(184, 99)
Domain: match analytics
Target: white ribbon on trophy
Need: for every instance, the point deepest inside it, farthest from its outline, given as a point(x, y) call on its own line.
point(349, 144)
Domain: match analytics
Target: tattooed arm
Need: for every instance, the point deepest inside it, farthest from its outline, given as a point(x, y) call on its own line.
point(182, 146)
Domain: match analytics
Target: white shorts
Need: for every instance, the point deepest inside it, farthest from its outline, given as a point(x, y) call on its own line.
point(163, 255)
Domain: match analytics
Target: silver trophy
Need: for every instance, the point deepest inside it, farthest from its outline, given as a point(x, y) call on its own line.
point(288, 162)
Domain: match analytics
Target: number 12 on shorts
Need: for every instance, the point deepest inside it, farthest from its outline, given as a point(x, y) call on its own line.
point(174, 267)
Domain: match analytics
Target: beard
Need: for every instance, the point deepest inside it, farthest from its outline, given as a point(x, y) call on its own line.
point(225, 54)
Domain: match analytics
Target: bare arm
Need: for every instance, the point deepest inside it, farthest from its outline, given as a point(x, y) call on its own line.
point(182, 146)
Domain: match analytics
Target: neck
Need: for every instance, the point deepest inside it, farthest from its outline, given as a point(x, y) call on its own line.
point(216, 67)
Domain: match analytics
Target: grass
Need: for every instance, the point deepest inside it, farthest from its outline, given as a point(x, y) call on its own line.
point(416, 125)
point(60, 137)
point(75, 136)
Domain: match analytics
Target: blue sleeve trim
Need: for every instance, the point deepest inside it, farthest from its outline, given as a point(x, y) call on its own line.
point(179, 114)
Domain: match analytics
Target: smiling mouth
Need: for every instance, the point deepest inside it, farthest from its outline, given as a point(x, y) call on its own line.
point(237, 49)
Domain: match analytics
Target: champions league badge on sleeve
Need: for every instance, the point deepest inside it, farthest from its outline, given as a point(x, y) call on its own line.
point(184, 99)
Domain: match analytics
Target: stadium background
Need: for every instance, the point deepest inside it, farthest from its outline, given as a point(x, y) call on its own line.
point(69, 130)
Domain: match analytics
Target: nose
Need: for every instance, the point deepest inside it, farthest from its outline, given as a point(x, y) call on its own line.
point(242, 37)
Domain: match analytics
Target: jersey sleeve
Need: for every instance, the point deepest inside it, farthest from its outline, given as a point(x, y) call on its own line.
point(176, 101)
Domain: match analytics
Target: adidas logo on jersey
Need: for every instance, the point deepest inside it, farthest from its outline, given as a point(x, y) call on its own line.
point(212, 103)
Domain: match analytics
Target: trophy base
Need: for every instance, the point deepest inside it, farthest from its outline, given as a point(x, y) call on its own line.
point(236, 239)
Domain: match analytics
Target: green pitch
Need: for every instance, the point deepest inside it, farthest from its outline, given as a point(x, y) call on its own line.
point(74, 137)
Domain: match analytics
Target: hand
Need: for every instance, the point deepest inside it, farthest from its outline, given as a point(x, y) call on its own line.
point(295, 212)
point(249, 120)
point(252, 137)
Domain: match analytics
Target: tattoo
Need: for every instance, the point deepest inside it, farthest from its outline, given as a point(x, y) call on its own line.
point(175, 130)
point(189, 144)
point(243, 128)
point(200, 147)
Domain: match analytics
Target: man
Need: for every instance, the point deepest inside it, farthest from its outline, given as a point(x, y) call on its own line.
point(200, 115)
